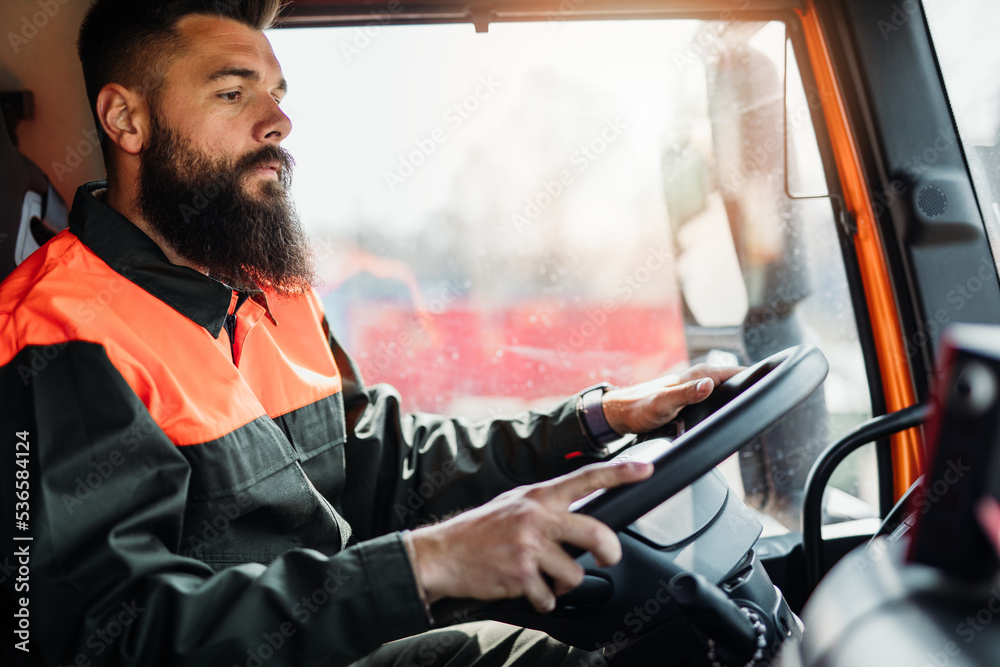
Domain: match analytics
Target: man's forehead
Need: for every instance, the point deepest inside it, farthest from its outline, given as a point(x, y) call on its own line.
point(211, 42)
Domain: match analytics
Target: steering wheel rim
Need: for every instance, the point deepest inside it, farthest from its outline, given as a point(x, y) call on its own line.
point(738, 411)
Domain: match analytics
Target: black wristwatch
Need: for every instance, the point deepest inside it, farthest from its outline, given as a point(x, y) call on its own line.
point(592, 414)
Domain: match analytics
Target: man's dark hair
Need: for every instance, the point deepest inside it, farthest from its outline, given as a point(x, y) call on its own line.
point(130, 42)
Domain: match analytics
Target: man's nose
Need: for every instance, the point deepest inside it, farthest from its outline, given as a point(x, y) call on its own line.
point(274, 125)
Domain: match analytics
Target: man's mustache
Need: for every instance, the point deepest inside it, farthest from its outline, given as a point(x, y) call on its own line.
point(266, 156)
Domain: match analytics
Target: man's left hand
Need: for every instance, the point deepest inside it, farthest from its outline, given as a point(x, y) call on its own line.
point(643, 407)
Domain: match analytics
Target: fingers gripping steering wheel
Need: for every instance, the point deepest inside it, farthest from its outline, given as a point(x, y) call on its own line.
point(737, 411)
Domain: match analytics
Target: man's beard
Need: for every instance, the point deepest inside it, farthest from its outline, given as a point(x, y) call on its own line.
point(201, 208)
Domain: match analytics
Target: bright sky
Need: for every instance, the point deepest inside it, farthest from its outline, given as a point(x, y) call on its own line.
point(530, 95)
point(356, 112)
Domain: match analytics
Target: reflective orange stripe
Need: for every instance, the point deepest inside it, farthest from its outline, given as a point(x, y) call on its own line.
point(897, 383)
point(289, 364)
point(184, 376)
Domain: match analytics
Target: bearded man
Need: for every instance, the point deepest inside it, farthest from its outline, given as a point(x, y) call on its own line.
point(210, 481)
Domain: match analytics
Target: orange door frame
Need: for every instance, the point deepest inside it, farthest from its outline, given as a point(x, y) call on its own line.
point(897, 383)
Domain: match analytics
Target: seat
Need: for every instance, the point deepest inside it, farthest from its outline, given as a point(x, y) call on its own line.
point(31, 210)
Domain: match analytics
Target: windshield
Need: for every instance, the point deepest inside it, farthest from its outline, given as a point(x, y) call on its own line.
point(503, 219)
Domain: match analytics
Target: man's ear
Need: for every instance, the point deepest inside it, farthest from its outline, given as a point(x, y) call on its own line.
point(124, 115)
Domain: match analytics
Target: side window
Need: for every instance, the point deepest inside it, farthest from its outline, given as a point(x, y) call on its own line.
point(503, 219)
point(964, 35)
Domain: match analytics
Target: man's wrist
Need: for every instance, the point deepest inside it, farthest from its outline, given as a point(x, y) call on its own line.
point(411, 551)
point(590, 409)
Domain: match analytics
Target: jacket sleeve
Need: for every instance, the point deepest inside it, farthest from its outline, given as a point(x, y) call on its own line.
point(100, 581)
point(407, 469)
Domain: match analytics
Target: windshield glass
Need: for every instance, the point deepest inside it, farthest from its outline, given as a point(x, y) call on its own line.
point(504, 219)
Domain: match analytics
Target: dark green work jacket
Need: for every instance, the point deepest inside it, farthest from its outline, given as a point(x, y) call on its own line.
point(194, 476)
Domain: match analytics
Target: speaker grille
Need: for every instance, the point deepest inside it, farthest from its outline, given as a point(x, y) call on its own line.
point(932, 201)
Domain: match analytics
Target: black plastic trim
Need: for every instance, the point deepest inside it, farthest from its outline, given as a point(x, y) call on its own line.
point(317, 13)
point(908, 141)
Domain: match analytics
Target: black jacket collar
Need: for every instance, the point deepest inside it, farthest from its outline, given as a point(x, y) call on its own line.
point(127, 250)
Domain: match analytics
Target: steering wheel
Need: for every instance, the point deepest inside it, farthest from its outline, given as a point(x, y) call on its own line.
point(738, 411)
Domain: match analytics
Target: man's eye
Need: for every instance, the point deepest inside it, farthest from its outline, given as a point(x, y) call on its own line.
point(231, 97)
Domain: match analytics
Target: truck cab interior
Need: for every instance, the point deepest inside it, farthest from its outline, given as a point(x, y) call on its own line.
point(510, 200)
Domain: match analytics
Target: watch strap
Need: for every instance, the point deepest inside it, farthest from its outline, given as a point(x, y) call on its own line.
point(592, 412)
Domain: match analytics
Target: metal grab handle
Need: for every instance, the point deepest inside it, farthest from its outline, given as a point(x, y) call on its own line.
point(822, 469)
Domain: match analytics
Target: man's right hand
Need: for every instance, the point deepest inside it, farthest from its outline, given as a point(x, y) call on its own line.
point(506, 548)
